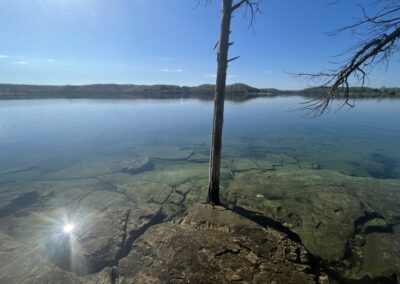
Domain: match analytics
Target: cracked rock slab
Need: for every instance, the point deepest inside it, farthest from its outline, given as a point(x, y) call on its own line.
point(166, 152)
point(215, 245)
point(382, 255)
point(100, 240)
point(135, 166)
point(95, 243)
point(102, 166)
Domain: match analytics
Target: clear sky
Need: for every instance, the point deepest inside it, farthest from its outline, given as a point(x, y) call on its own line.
point(171, 42)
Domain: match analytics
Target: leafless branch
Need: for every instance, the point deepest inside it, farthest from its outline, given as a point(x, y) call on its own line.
point(198, 2)
point(249, 6)
point(216, 45)
point(380, 39)
point(252, 6)
point(234, 58)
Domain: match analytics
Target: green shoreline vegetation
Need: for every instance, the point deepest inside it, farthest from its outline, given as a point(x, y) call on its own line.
point(115, 91)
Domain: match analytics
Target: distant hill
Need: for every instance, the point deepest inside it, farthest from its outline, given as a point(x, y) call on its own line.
point(358, 92)
point(206, 92)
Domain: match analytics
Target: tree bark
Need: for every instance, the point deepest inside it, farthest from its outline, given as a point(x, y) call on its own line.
point(218, 118)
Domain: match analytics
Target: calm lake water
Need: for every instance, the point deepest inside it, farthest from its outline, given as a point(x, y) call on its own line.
point(324, 178)
point(51, 134)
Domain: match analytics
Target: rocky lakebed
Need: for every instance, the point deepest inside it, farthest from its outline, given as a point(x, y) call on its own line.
point(141, 218)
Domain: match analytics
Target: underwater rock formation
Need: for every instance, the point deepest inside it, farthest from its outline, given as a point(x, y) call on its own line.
point(350, 223)
point(100, 240)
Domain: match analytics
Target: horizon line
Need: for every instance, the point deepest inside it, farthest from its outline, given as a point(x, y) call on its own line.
point(181, 86)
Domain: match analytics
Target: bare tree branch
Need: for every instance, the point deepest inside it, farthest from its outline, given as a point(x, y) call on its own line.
point(216, 45)
point(234, 58)
point(249, 5)
point(238, 4)
point(380, 35)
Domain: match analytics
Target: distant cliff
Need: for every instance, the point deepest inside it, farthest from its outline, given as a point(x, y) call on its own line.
point(206, 92)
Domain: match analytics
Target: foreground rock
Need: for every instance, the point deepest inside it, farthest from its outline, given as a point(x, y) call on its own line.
point(100, 240)
point(322, 207)
point(215, 245)
point(381, 257)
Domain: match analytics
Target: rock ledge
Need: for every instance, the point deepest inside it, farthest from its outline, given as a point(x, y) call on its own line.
point(215, 245)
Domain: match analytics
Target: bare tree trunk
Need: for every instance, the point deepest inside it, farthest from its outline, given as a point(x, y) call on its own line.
point(218, 119)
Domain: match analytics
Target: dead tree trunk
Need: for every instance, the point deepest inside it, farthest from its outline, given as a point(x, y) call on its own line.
point(218, 118)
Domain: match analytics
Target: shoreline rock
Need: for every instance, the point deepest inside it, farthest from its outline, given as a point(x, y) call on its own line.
point(215, 245)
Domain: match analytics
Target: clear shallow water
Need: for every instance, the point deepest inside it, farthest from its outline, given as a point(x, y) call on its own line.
point(50, 134)
point(333, 180)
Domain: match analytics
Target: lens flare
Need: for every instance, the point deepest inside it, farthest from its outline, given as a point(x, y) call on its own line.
point(69, 228)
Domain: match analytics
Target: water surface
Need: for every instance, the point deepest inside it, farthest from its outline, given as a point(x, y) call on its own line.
point(324, 177)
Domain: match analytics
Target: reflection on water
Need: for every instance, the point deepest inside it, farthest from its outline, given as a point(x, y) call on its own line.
point(333, 180)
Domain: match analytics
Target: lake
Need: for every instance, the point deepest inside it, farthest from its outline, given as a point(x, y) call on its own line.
point(333, 180)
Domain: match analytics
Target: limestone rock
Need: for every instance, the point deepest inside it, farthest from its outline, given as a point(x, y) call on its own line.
point(100, 240)
point(280, 159)
point(19, 203)
point(322, 215)
point(167, 152)
point(382, 255)
point(396, 230)
point(215, 245)
point(375, 225)
point(95, 243)
point(102, 166)
point(243, 164)
point(139, 221)
point(103, 200)
point(199, 157)
point(135, 166)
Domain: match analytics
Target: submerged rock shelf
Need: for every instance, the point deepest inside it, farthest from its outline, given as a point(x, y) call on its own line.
point(290, 220)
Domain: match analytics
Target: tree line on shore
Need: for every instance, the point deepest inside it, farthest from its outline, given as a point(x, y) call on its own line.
point(236, 92)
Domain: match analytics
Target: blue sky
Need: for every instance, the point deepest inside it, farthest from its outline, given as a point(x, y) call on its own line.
point(171, 42)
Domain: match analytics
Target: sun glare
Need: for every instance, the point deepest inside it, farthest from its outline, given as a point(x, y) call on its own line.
point(69, 228)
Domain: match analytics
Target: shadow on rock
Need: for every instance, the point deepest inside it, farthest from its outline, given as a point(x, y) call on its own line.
point(21, 202)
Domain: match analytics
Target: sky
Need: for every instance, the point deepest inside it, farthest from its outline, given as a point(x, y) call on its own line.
point(60, 42)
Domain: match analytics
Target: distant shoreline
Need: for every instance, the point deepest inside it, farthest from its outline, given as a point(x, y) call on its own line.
point(236, 92)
